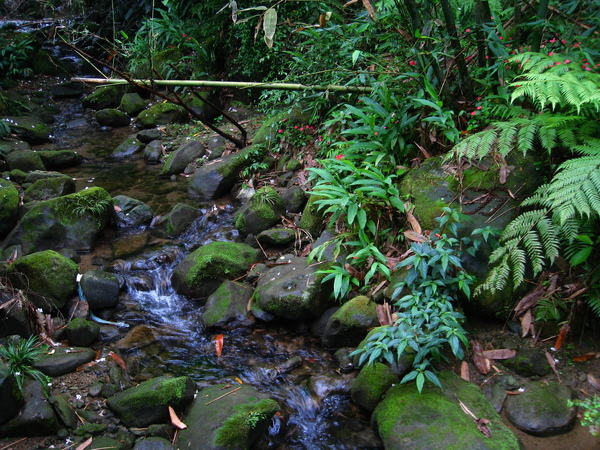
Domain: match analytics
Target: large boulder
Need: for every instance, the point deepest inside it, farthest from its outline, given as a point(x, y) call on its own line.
point(48, 277)
point(59, 159)
point(132, 104)
point(101, 289)
point(104, 97)
point(36, 418)
point(263, 211)
point(201, 272)
point(30, 129)
point(371, 384)
point(25, 160)
point(178, 160)
point(148, 402)
point(177, 220)
point(227, 307)
point(434, 418)
point(63, 360)
point(293, 290)
point(112, 117)
point(542, 408)
point(350, 324)
point(71, 221)
point(216, 179)
point(47, 188)
point(9, 206)
point(162, 114)
point(231, 422)
point(131, 212)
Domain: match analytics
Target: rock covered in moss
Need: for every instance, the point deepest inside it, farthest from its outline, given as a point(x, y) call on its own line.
point(30, 129)
point(542, 409)
point(528, 363)
point(201, 272)
point(178, 160)
point(263, 211)
point(350, 324)
point(177, 220)
point(277, 237)
point(131, 212)
point(148, 402)
point(82, 332)
point(24, 160)
point(127, 148)
point(49, 278)
point(294, 199)
point(312, 217)
point(435, 420)
point(112, 117)
point(46, 64)
point(162, 114)
point(71, 221)
point(293, 290)
point(132, 104)
point(153, 152)
point(48, 188)
point(9, 206)
point(59, 159)
point(232, 422)
point(371, 384)
point(227, 307)
point(105, 97)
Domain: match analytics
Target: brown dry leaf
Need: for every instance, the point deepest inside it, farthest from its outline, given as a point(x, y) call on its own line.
point(513, 392)
point(116, 358)
point(84, 444)
point(464, 371)
point(586, 357)
point(219, 345)
point(561, 336)
point(414, 236)
point(593, 381)
point(482, 364)
point(384, 314)
point(369, 8)
point(412, 220)
point(526, 321)
point(482, 425)
point(118, 208)
point(553, 365)
point(86, 365)
point(503, 353)
point(529, 300)
point(175, 420)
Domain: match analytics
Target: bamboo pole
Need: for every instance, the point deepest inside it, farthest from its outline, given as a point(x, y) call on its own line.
point(232, 84)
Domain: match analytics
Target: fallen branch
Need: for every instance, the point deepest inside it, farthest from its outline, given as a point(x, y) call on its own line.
point(224, 395)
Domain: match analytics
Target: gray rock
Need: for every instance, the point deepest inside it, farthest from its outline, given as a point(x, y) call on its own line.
point(153, 152)
point(152, 134)
point(67, 90)
point(64, 411)
point(277, 236)
point(25, 160)
point(153, 443)
point(177, 220)
point(350, 324)
point(133, 213)
point(542, 409)
point(529, 362)
point(64, 360)
point(36, 418)
point(148, 402)
point(127, 148)
point(81, 332)
point(293, 290)
point(48, 188)
point(233, 422)
point(101, 289)
point(10, 401)
point(37, 175)
point(16, 320)
point(227, 307)
point(294, 199)
point(178, 160)
point(434, 419)
point(59, 159)
point(30, 129)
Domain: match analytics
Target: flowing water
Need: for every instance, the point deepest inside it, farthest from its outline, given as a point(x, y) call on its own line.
point(166, 336)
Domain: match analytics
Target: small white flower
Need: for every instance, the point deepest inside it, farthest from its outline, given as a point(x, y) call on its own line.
point(521, 390)
point(78, 397)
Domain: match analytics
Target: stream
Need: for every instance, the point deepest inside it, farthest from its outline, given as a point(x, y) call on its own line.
point(287, 363)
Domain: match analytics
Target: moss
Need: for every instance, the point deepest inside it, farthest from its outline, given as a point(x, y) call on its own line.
point(91, 429)
point(371, 384)
point(9, 205)
point(312, 219)
point(353, 313)
point(236, 431)
point(216, 259)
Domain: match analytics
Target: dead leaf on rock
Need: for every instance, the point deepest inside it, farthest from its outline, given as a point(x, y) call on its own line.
point(482, 364)
point(552, 363)
point(85, 444)
point(586, 357)
point(175, 420)
point(503, 353)
point(464, 371)
point(593, 381)
point(117, 359)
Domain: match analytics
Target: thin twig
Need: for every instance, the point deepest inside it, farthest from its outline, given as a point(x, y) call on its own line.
point(214, 400)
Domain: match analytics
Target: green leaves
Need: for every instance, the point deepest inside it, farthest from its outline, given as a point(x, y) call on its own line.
point(270, 25)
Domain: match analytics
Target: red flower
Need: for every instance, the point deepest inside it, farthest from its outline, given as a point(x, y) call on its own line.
point(412, 63)
point(339, 157)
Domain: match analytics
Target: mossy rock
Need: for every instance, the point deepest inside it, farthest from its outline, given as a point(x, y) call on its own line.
point(312, 219)
point(233, 422)
point(263, 211)
point(162, 114)
point(59, 159)
point(45, 64)
point(227, 307)
point(148, 402)
point(202, 271)
point(112, 117)
point(9, 206)
point(277, 237)
point(24, 160)
point(71, 221)
point(48, 188)
point(434, 418)
point(48, 276)
point(179, 219)
point(105, 97)
point(30, 128)
point(350, 324)
point(82, 332)
point(132, 104)
point(371, 384)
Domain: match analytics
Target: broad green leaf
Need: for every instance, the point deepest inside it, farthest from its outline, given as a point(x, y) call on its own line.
point(355, 56)
point(270, 25)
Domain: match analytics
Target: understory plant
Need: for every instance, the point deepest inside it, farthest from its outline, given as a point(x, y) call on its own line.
point(560, 94)
point(426, 321)
point(20, 357)
point(591, 413)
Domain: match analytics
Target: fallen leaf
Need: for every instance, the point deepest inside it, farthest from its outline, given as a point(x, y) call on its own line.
point(117, 208)
point(526, 321)
point(85, 444)
point(482, 425)
point(553, 365)
point(593, 381)
point(564, 330)
point(513, 392)
point(586, 357)
point(414, 236)
point(464, 371)
point(482, 364)
point(116, 358)
point(503, 353)
point(219, 345)
point(175, 420)
point(86, 365)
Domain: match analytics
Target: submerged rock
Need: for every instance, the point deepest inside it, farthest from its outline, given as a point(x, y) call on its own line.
point(435, 420)
point(127, 148)
point(59, 159)
point(29, 128)
point(148, 402)
point(231, 422)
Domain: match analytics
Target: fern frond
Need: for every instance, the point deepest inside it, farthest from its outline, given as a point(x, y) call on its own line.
point(594, 303)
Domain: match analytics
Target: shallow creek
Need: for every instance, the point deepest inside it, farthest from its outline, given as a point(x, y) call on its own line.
point(285, 362)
